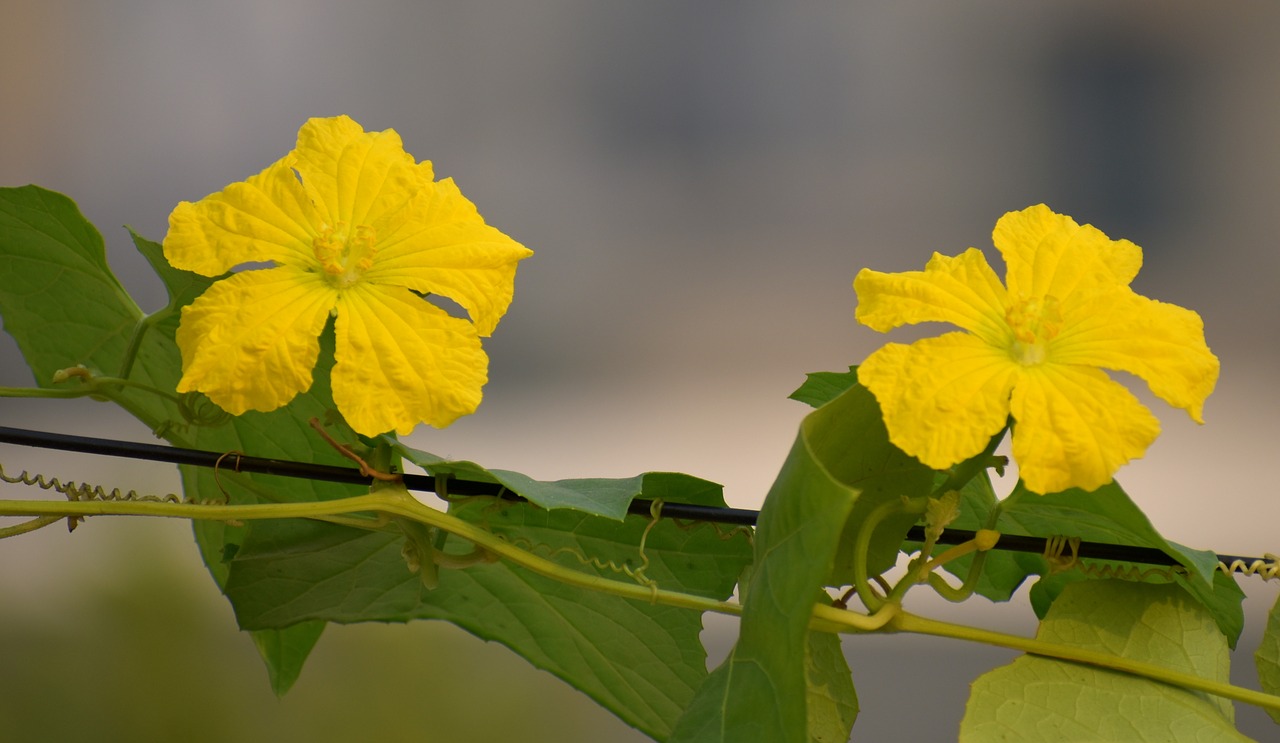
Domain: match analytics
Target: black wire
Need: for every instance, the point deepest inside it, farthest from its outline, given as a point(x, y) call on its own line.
point(238, 462)
point(428, 483)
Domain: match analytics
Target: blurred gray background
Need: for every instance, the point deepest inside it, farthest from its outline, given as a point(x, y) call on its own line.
point(700, 182)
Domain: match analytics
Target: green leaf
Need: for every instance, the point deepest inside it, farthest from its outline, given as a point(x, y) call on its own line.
point(641, 661)
point(1224, 599)
point(1267, 657)
point(608, 497)
point(63, 306)
point(703, 720)
point(1108, 515)
point(832, 701)
point(1044, 700)
point(183, 287)
point(841, 467)
point(58, 299)
point(285, 651)
point(821, 388)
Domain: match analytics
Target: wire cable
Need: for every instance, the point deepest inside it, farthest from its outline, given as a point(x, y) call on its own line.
point(459, 487)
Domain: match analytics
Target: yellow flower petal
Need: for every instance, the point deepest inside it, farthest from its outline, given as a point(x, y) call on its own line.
point(1161, 343)
point(250, 341)
point(440, 244)
point(1075, 427)
point(402, 361)
point(943, 398)
point(1068, 310)
point(344, 216)
point(1048, 254)
point(963, 291)
point(356, 176)
point(264, 218)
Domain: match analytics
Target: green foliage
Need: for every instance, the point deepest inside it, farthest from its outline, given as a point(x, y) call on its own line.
point(639, 660)
point(64, 307)
point(610, 602)
point(659, 641)
point(1105, 515)
point(1267, 656)
point(832, 702)
point(58, 299)
point(841, 468)
point(1109, 516)
point(285, 651)
point(1045, 700)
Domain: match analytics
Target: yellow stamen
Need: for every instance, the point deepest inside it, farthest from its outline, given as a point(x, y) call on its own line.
point(1034, 322)
point(345, 256)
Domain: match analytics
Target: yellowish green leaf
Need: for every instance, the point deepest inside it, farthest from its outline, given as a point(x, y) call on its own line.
point(1042, 700)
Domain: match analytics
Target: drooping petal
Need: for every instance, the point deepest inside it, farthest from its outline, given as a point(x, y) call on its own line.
point(402, 361)
point(267, 217)
point(1161, 343)
point(963, 291)
point(942, 398)
point(250, 341)
point(356, 175)
point(439, 244)
point(1048, 254)
point(1074, 427)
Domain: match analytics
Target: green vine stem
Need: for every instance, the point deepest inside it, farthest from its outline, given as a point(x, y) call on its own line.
point(398, 502)
point(135, 340)
point(862, 545)
point(982, 544)
point(92, 385)
point(906, 622)
point(43, 392)
point(390, 502)
point(29, 526)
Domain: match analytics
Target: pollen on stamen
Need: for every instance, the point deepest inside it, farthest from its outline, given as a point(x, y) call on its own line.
point(364, 245)
point(344, 255)
point(1033, 322)
point(328, 247)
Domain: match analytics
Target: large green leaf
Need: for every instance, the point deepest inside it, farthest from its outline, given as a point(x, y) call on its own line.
point(841, 467)
point(58, 299)
point(1267, 656)
point(639, 660)
point(1042, 700)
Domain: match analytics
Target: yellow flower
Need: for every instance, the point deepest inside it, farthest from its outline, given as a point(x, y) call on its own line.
point(1033, 350)
point(352, 228)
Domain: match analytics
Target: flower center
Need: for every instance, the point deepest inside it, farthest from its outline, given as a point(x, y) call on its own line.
point(344, 254)
point(1034, 323)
